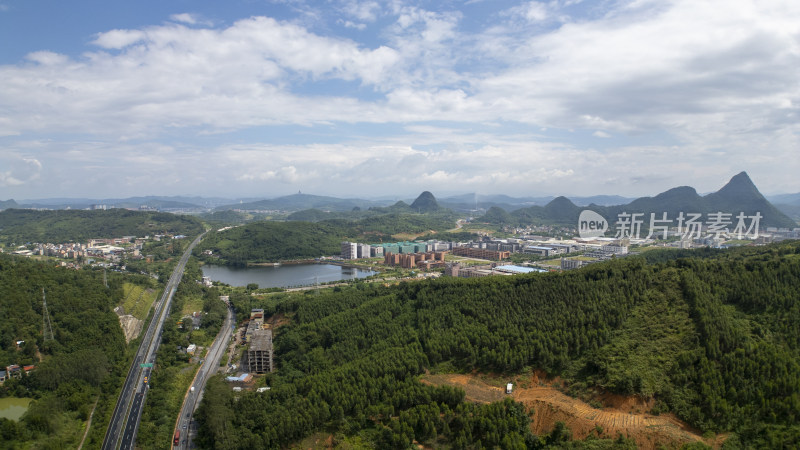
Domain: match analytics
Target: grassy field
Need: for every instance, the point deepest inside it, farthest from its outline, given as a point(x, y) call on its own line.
point(550, 262)
point(651, 248)
point(480, 228)
point(137, 300)
point(191, 305)
point(407, 236)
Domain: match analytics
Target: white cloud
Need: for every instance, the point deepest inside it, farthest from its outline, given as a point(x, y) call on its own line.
point(365, 11)
point(117, 39)
point(535, 11)
point(189, 19)
point(46, 58)
point(349, 24)
point(18, 170)
point(172, 76)
point(690, 76)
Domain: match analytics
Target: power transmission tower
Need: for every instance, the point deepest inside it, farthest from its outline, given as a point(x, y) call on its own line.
point(47, 328)
point(316, 284)
point(105, 278)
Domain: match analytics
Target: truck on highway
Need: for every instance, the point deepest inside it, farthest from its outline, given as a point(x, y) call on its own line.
point(177, 439)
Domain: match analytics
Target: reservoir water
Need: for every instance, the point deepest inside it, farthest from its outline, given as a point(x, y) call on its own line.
point(283, 276)
point(13, 408)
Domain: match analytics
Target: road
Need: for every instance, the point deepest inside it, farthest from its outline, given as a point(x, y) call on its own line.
point(185, 423)
point(121, 432)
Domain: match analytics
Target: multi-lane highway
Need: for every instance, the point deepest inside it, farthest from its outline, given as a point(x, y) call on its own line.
point(121, 432)
point(185, 425)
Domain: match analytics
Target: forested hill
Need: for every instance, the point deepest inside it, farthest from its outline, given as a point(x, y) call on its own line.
point(275, 241)
point(714, 337)
point(10, 203)
point(26, 225)
point(73, 368)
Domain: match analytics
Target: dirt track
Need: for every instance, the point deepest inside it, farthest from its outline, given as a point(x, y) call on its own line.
point(625, 415)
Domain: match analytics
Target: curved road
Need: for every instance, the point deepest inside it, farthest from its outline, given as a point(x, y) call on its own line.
point(121, 432)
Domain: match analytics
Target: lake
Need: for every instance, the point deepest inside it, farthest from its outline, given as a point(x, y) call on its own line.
point(13, 408)
point(283, 276)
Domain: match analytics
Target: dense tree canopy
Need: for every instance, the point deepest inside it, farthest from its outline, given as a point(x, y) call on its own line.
point(275, 241)
point(714, 337)
point(86, 357)
point(26, 225)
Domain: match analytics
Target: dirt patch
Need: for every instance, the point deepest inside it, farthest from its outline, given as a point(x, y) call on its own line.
point(618, 416)
point(476, 390)
point(278, 320)
point(131, 326)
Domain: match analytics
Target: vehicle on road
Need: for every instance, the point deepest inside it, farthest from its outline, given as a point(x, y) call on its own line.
point(177, 439)
point(145, 380)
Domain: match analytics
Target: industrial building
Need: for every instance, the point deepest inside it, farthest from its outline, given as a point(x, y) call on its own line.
point(415, 260)
point(517, 270)
point(493, 255)
point(405, 247)
point(459, 271)
point(568, 264)
point(544, 251)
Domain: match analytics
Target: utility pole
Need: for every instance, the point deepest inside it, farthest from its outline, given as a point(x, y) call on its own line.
point(47, 328)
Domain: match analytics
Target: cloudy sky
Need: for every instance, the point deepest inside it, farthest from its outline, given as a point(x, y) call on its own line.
point(371, 98)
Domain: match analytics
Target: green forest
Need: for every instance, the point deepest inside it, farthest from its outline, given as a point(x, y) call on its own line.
point(24, 225)
point(82, 369)
point(275, 241)
point(713, 336)
point(86, 358)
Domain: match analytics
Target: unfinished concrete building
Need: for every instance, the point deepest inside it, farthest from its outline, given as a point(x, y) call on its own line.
point(259, 356)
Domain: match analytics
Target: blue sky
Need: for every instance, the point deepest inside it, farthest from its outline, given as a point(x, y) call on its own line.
point(369, 98)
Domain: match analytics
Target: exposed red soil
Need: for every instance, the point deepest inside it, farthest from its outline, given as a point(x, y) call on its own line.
point(620, 414)
point(278, 320)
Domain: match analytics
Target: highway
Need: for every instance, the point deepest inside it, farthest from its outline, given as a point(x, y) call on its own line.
point(121, 432)
point(185, 423)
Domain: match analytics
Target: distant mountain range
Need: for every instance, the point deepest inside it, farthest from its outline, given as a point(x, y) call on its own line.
point(157, 202)
point(299, 202)
point(547, 208)
point(739, 195)
point(472, 202)
point(8, 204)
point(789, 204)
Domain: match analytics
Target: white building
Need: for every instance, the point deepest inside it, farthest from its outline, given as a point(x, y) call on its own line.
point(568, 264)
point(349, 250)
point(615, 249)
point(363, 250)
